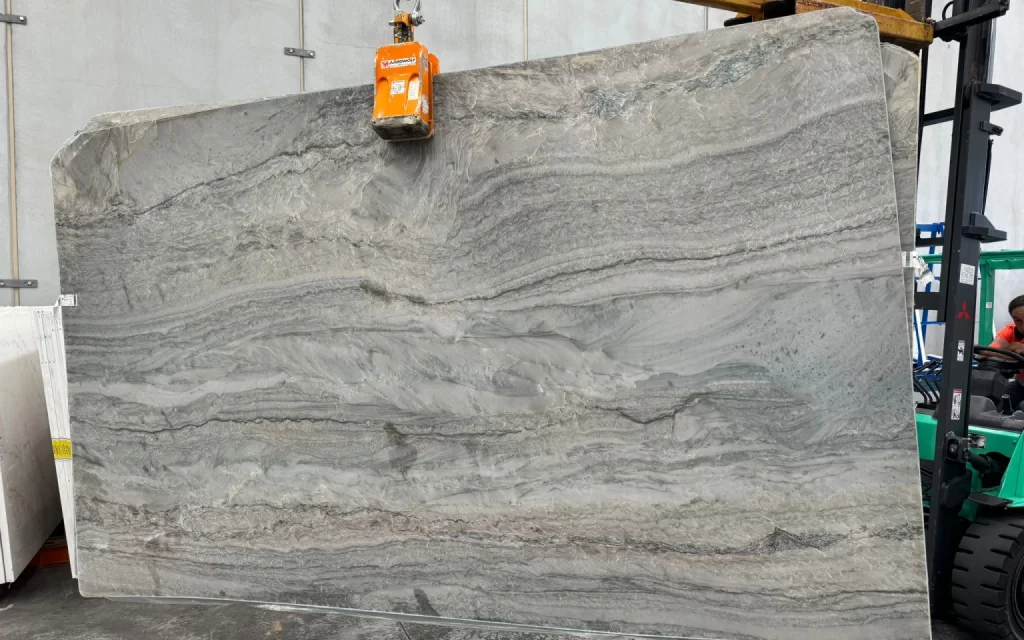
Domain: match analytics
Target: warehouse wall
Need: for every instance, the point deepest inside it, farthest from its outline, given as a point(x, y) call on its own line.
point(465, 34)
point(1006, 186)
point(77, 58)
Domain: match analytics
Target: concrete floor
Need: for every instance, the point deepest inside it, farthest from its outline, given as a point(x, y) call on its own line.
point(44, 605)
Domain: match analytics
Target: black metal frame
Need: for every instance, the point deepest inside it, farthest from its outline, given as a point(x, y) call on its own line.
point(955, 28)
point(966, 229)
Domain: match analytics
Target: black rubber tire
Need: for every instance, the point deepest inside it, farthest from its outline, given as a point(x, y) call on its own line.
point(988, 579)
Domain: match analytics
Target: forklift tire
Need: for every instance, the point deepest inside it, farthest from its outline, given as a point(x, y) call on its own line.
point(988, 578)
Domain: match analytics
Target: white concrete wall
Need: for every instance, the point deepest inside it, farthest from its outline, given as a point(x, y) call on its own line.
point(77, 58)
point(560, 28)
point(1006, 186)
point(464, 34)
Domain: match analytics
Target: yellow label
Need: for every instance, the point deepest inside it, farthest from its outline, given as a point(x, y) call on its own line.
point(61, 449)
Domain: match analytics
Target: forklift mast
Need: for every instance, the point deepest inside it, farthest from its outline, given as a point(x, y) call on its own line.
point(966, 228)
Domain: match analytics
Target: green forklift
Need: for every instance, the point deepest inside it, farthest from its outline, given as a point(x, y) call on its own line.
point(986, 586)
point(987, 581)
point(970, 439)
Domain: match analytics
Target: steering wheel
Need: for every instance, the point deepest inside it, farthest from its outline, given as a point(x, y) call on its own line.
point(1014, 365)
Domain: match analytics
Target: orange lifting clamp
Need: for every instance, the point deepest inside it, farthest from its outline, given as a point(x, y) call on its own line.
point(403, 104)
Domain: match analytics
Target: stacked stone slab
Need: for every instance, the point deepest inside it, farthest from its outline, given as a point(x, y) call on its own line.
point(622, 348)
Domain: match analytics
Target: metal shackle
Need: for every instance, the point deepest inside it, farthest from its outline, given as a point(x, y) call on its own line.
point(413, 12)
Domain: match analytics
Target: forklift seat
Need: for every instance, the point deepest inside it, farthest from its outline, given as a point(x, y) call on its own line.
point(984, 413)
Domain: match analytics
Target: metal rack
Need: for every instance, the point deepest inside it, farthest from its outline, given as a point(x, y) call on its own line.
point(925, 320)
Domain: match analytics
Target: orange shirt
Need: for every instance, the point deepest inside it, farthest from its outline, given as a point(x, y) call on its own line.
point(1008, 335)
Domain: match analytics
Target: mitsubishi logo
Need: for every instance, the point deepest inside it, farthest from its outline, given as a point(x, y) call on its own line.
point(963, 314)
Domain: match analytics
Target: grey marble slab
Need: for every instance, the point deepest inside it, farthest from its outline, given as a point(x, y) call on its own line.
point(45, 605)
point(580, 361)
point(902, 72)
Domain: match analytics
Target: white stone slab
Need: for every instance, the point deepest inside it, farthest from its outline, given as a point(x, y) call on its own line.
point(29, 497)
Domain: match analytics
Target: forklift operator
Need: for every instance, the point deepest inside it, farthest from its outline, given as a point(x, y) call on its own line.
point(1011, 338)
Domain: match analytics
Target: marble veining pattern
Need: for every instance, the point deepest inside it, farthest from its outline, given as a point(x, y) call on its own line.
point(583, 360)
point(902, 72)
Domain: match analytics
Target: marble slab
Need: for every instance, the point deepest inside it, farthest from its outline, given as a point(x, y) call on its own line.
point(46, 606)
point(53, 366)
point(581, 361)
point(29, 498)
point(902, 72)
